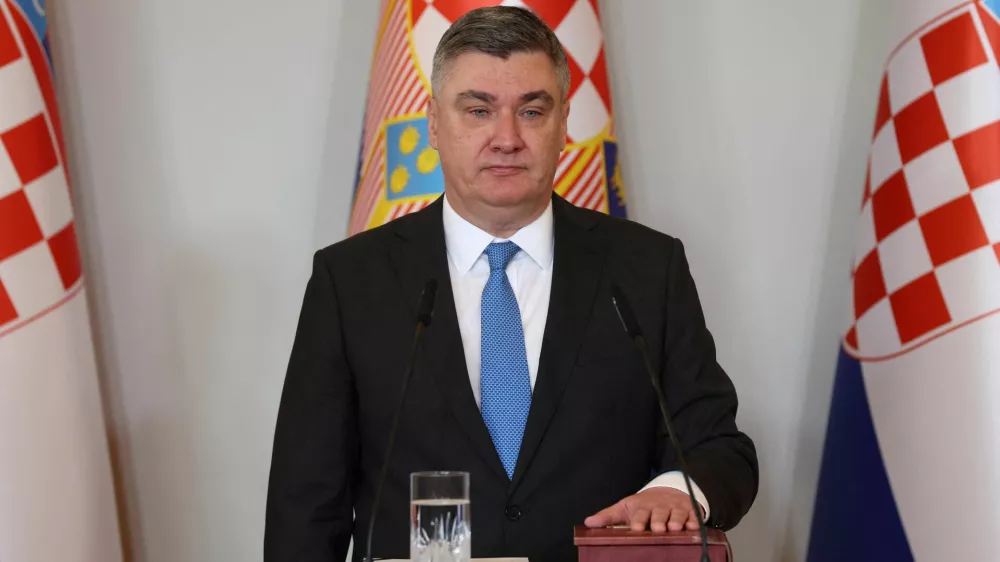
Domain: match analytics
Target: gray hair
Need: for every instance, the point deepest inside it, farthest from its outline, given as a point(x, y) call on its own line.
point(499, 31)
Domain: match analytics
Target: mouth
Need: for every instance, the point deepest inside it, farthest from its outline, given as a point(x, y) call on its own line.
point(504, 170)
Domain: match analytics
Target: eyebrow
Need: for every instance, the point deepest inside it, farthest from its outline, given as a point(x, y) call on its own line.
point(476, 95)
point(540, 95)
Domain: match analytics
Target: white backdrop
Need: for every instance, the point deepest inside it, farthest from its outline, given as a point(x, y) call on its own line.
point(213, 146)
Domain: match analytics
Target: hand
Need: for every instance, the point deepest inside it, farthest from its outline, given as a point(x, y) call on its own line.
point(662, 508)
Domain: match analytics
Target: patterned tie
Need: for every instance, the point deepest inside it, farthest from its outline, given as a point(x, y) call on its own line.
point(504, 384)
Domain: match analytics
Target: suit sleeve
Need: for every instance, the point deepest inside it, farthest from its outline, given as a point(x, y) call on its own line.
point(675, 479)
point(702, 401)
point(309, 514)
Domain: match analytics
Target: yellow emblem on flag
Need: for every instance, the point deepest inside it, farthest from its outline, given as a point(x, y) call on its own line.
point(427, 161)
point(409, 139)
point(400, 177)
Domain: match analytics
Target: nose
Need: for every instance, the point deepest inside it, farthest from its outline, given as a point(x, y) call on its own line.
point(506, 134)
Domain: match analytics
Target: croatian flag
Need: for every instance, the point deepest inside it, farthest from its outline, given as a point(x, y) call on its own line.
point(911, 465)
point(57, 499)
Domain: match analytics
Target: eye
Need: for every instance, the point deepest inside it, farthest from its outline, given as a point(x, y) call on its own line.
point(532, 113)
point(479, 112)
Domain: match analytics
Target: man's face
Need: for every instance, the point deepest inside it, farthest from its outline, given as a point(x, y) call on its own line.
point(499, 126)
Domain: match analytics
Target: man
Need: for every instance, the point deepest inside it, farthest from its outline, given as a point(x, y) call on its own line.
point(525, 378)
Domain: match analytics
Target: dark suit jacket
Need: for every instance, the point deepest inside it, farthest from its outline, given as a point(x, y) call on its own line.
point(593, 434)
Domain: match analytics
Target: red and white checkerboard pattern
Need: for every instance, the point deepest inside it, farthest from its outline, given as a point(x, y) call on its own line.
point(927, 256)
point(577, 23)
point(39, 260)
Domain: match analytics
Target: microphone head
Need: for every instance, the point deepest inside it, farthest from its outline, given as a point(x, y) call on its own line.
point(625, 314)
point(426, 311)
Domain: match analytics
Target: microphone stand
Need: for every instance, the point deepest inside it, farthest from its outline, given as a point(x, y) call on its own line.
point(631, 325)
point(424, 315)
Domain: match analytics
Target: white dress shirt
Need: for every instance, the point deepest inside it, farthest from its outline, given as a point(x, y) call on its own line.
point(530, 276)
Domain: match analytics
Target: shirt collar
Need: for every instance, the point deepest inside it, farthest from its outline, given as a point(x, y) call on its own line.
point(466, 241)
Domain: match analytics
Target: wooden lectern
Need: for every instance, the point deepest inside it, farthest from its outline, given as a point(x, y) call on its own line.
point(616, 544)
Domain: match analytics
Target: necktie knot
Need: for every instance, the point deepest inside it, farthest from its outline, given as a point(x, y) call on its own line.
point(500, 254)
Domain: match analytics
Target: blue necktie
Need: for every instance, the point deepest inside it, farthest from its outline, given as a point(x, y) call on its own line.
point(504, 384)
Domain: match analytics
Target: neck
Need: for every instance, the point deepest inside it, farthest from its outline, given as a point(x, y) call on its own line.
point(499, 222)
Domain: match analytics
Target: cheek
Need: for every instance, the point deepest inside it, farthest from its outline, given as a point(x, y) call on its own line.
point(546, 147)
point(474, 146)
point(461, 153)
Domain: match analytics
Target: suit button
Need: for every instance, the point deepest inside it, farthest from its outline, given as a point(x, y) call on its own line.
point(512, 512)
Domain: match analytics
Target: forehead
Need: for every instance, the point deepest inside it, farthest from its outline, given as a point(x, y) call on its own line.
point(519, 73)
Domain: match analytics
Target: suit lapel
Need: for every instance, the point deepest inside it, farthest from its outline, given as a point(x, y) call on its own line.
point(578, 262)
point(419, 254)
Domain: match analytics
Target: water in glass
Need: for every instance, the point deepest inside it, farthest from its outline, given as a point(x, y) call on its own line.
point(440, 530)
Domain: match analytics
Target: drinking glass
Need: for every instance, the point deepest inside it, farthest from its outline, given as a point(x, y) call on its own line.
point(440, 530)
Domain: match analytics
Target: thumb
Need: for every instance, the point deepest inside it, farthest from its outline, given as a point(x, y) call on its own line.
point(613, 515)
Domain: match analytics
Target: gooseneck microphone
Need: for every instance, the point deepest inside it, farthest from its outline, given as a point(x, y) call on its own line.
point(424, 314)
point(631, 325)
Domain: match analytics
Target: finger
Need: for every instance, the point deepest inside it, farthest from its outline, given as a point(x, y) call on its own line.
point(692, 523)
point(613, 515)
point(658, 521)
point(639, 519)
point(678, 518)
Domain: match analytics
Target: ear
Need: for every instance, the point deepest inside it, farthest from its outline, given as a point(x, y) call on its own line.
point(432, 122)
point(564, 124)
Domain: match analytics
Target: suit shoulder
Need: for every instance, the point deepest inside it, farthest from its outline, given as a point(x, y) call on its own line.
point(360, 246)
point(626, 233)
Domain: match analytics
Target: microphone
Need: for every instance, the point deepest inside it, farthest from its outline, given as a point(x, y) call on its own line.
point(631, 325)
point(425, 313)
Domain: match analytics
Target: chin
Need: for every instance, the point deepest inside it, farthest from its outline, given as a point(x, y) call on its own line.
point(507, 193)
